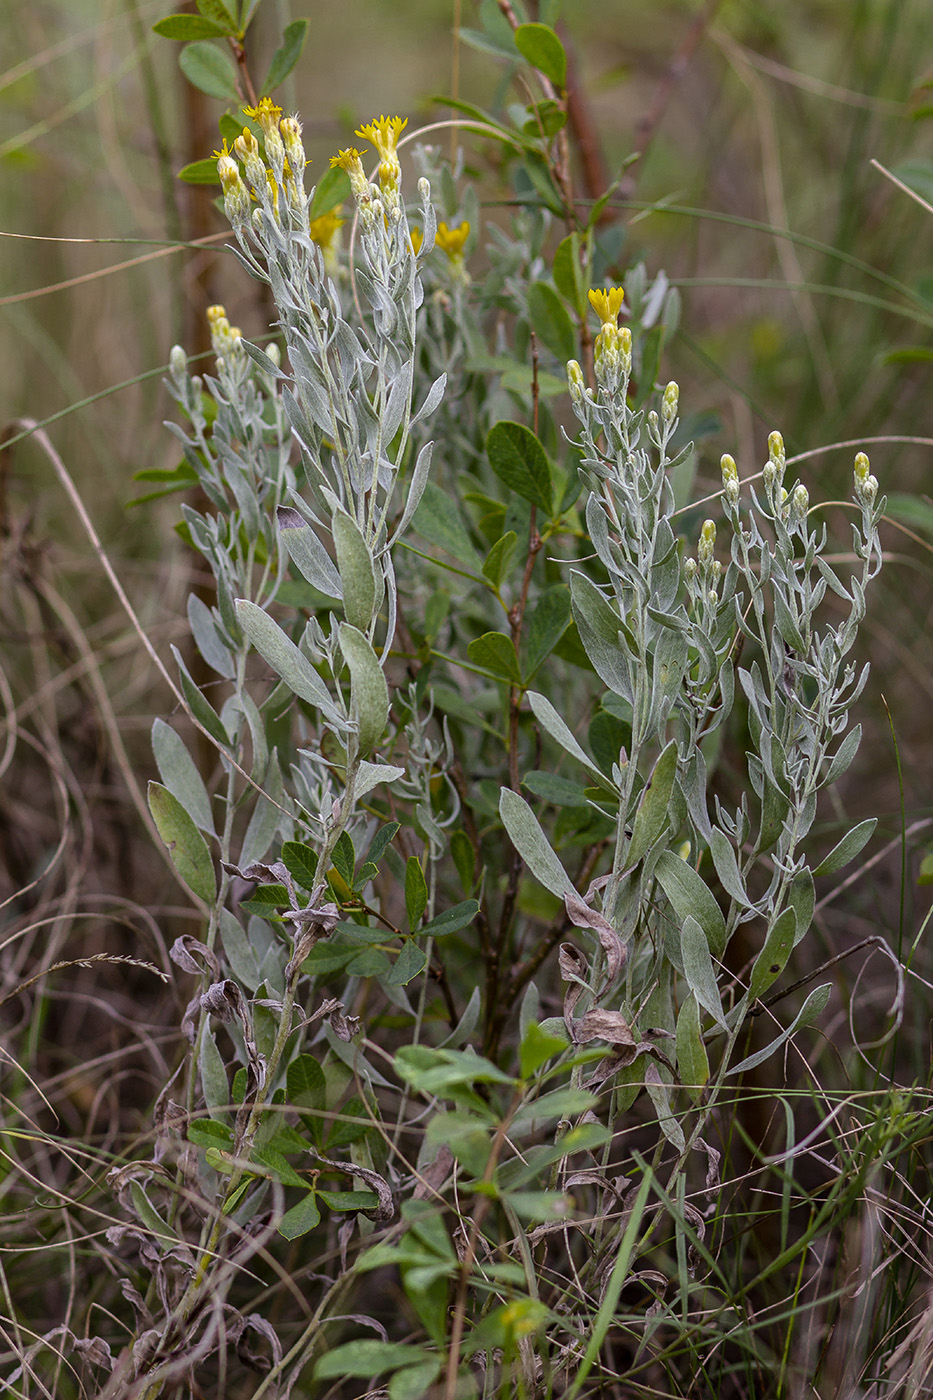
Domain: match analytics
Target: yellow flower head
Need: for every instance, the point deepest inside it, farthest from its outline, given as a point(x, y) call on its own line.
point(322, 230)
point(451, 240)
point(267, 114)
point(349, 160)
point(384, 133)
point(606, 304)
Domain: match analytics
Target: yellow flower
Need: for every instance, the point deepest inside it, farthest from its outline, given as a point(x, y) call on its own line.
point(606, 304)
point(267, 114)
point(323, 229)
point(384, 133)
point(348, 160)
point(417, 238)
point(451, 240)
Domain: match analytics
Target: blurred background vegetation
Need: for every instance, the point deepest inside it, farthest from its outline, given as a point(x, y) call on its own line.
point(807, 305)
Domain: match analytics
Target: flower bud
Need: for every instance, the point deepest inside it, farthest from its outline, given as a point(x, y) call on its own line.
point(669, 402)
point(576, 382)
point(866, 485)
point(178, 364)
point(730, 478)
point(776, 450)
point(690, 569)
point(424, 190)
point(801, 500)
point(707, 543)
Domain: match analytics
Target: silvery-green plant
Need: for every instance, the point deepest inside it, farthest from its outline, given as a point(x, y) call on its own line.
point(366, 724)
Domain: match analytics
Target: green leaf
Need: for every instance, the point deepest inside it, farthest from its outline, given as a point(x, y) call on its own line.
point(464, 859)
point(771, 961)
point(200, 172)
point(307, 552)
point(209, 70)
point(357, 575)
point(553, 788)
point(413, 1382)
point(468, 1139)
point(381, 842)
point(220, 13)
point(332, 189)
point(186, 846)
point(438, 520)
point(540, 46)
point(520, 462)
point(416, 892)
point(209, 1132)
point(305, 1083)
point(179, 773)
point(496, 564)
point(301, 1218)
point(495, 652)
point(411, 961)
point(699, 970)
point(690, 896)
point(301, 863)
point(369, 693)
point(550, 321)
point(188, 27)
point(437, 1071)
point(600, 632)
point(350, 1200)
point(692, 1059)
point(369, 1357)
point(285, 58)
point(202, 711)
point(537, 1048)
point(727, 867)
point(546, 623)
point(280, 652)
point(531, 843)
point(452, 919)
point(651, 817)
point(549, 719)
point(570, 277)
point(812, 1007)
point(344, 858)
point(848, 848)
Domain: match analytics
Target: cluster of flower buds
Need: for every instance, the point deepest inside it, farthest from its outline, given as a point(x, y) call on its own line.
point(866, 485)
point(274, 174)
point(703, 573)
point(225, 341)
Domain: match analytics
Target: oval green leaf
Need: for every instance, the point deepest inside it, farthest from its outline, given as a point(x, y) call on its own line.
point(540, 46)
point(186, 846)
point(520, 462)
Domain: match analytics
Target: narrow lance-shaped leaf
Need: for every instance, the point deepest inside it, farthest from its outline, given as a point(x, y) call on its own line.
point(357, 575)
point(812, 1007)
point(369, 693)
point(699, 970)
point(286, 57)
point(772, 959)
point(651, 817)
point(186, 845)
point(689, 895)
point(692, 1059)
point(531, 843)
point(285, 659)
point(848, 848)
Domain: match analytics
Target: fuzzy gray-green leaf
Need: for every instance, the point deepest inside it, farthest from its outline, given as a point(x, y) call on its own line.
point(179, 773)
point(357, 575)
point(369, 693)
point(531, 843)
point(848, 848)
point(689, 894)
point(699, 970)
